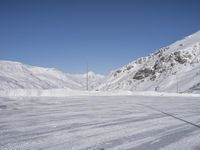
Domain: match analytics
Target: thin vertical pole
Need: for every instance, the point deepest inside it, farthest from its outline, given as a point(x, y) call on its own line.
point(87, 76)
point(177, 90)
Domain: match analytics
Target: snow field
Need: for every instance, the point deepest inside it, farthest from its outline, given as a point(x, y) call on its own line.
point(100, 122)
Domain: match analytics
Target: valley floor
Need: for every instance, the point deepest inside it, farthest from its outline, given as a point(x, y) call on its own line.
point(100, 123)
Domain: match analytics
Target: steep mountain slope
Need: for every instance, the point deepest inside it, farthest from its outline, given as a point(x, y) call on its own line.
point(15, 75)
point(175, 68)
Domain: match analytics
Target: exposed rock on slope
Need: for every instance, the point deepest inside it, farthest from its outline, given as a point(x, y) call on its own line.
point(175, 68)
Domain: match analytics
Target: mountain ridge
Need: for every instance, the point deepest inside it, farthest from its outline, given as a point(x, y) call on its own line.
point(162, 70)
point(15, 75)
point(173, 68)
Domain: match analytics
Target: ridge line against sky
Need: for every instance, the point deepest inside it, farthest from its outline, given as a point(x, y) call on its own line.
point(66, 34)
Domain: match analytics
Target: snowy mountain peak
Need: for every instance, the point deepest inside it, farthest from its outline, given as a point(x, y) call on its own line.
point(15, 75)
point(174, 68)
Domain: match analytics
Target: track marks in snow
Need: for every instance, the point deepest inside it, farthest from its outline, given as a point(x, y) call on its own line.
point(101, 122)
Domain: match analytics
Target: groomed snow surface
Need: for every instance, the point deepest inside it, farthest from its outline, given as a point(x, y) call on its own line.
point(130, 122)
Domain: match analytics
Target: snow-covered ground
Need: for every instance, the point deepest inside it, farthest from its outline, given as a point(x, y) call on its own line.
point(100, 122)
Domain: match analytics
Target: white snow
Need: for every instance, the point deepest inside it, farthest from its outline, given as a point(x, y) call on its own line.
point(151, 103)
point(94, 79)
point(100, 122)
point(175, 68)
point(69, 92)
point(15, 75)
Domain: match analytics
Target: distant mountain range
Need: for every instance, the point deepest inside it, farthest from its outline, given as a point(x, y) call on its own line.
point(15, 75)
point(175, 68)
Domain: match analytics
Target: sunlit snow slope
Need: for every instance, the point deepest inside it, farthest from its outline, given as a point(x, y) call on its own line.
point(175, 68)
point(94, 80)
point(15, 75)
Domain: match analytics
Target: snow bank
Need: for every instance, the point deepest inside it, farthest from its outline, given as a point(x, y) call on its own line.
point(58, 93)
point(68, 92)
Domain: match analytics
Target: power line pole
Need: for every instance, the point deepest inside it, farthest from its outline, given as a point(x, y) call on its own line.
point(87, 78)
point(177, 89)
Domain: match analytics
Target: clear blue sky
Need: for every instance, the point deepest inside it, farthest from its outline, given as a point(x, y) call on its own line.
point(107, 34)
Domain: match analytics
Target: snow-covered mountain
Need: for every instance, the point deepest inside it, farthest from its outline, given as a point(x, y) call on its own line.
point(94, 80)
point(175, 68)
point(15, 75)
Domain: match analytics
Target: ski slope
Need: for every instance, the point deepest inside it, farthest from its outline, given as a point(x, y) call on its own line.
point(139, 122)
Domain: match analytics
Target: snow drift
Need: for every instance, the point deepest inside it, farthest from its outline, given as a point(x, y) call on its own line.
point(69, 93)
